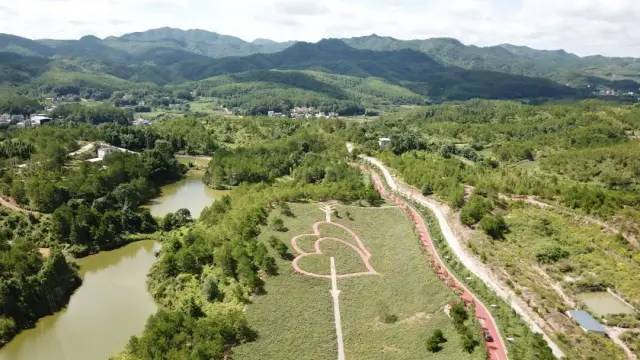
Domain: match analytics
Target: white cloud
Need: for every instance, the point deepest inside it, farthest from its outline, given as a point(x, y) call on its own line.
point(581, 26)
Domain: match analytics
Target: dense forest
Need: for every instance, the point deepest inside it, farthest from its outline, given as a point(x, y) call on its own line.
point(70, 207)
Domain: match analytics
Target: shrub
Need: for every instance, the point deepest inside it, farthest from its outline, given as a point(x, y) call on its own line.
point(494, 226)
point(551, 255)
point(427, 189)
point(277, 225)
point(210, 289)
point(285, 209)
point(474, 210)
point(435, 341)
point(280, 247)
point(385, 314)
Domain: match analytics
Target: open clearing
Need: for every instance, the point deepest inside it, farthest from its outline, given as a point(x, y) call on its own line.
point(295, 319)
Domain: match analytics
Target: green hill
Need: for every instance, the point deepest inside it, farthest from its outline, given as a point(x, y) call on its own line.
point(259, 91)
point(557, 65)
point(408, 68)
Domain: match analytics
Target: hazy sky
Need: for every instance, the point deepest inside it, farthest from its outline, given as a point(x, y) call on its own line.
point(610, 27)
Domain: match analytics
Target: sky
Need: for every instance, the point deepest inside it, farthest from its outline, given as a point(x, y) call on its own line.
point(584, 27)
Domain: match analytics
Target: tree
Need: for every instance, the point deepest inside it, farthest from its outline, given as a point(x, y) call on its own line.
point(474, 210)
point(435, 341)
point(210, 289)
point(385, 314)
point(459, 314)
point(494, 226)
point(277, 224)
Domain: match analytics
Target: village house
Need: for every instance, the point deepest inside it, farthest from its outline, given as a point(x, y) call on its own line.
point(39, 119)
point(384, 143)
point(141, 122)
point(5, 119)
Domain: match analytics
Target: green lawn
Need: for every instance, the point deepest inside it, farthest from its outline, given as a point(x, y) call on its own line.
point(294, 319)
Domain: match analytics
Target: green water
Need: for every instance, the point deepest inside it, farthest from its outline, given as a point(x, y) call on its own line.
point(111, 305)
point(189, 193)
point(603, 303)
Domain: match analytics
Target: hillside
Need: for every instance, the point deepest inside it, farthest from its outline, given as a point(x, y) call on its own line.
point(411, 69)
point(199, 42)
point(557, 65)
point(256, 92)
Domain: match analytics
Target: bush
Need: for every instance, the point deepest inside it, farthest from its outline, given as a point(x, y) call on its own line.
point(551, 255)
point(280, 247)
point(469, 343)
point(285, 209)
point(459, 314)
point(474, 210)
point(435, 341)
point(385, 314)
point(494, 226)
point(277, 225)
point(210, 289)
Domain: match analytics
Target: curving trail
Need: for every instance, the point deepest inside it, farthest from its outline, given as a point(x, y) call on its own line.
point(12, 205)
point(359, 247)
point(496, 349)
point(535, 322)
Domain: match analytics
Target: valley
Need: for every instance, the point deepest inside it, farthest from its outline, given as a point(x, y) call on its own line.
point(183, 194)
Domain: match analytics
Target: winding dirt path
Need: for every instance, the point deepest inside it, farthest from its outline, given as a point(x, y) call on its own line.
point(496, 348)
point(12, 205)
point(358, 247)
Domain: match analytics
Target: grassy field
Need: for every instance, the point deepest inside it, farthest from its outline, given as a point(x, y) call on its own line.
point(294, 319)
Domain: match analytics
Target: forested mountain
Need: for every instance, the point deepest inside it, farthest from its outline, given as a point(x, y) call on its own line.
point(199, 42)
point(412, 69)
point(432, 70)
point(557, 65)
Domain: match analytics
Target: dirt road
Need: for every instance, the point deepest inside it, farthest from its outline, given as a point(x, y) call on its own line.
point(474, 265)
point(12, 205)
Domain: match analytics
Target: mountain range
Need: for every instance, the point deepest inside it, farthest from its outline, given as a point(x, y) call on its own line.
point(438, 68)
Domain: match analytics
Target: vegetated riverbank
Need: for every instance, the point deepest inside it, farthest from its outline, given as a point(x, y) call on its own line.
point(27, 299)
point(189, 193)
point(111, 305)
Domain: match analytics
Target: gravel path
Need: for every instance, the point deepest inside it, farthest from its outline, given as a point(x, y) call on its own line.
point(468, 260)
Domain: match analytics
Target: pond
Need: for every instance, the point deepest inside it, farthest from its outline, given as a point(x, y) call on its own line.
point(111, 305)
point(189, 193)
point(604, 303)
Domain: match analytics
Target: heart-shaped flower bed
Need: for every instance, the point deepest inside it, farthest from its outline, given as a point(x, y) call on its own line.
point(330, 239)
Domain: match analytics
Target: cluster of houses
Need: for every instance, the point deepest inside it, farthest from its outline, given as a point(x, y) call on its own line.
point(303, 112)
point(21, 121)
point(607, 91)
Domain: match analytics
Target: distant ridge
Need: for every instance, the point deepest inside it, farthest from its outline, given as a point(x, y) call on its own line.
point(438, 68)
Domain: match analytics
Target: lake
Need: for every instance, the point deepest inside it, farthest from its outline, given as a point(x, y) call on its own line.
point(111, 305)
point(189, 193)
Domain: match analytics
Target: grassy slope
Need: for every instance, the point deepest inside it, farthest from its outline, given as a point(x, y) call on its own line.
point(295, 321)
point(604, 260)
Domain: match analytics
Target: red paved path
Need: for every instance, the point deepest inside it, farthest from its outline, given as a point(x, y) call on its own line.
point(496, 349)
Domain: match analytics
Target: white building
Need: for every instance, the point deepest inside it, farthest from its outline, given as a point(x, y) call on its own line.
point(141, 122)
point(39, 119)
point(384, 143)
